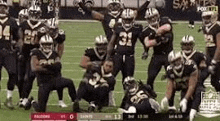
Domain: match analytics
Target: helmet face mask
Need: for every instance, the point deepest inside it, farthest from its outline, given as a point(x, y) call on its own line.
point(23, 15)
point(128, 17)
point(209, 18)
point(152, 16)
point(114, 8)
point(34, 13)
point(176, 60)
point(53, 27)
point(46, 44)
point(3, 9)
point(130, 85)
point(101, 44)
point(187, 44)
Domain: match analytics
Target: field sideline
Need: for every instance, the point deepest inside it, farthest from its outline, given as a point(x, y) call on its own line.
point(79, 36)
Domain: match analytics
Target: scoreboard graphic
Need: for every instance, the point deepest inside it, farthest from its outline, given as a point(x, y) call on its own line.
point(106, 116)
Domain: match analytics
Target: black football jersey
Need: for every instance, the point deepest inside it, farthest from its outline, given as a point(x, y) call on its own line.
point(96, 75)
point(9, 31)
point(45, 59)
point(162, 47)
point(109, 23)
point(30, 32)
point(94, 55)
point(188, 68)
point(136, 98)
point(196, 56)
point(210, 38)
point(127, 38)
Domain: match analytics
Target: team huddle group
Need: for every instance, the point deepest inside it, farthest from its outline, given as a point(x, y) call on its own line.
point(33, 48)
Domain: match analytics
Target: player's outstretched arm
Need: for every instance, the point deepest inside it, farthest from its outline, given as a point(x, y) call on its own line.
point(96, 15)
point(110, 46)
point(145, 5)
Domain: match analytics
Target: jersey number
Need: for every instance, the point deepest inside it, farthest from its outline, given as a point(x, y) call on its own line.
point(138, 97)
point(125, 39)
point(29, 36)
point(5, 32)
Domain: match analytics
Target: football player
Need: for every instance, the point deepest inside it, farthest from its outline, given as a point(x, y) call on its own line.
point(59, 37)
point(9, 29)
point(112, 17)
point(211, 30)
point(28, 37)
point(95, 86)
point(98, 53)
point(138, 96)
point(46, 63)
point(124, 39)
point(57, 34)
point(182, 76)
point(188, 52)
point(22, 16)
point(158, 34)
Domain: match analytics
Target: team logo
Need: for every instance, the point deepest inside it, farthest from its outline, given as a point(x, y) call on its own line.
point(210, 104)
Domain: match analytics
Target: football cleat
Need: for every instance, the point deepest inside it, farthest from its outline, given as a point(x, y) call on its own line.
point(62, 104)
point(76, 106)
point(8, 103)
point(28, 104)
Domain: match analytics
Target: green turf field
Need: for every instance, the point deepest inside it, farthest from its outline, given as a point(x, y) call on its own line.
point(79, 36)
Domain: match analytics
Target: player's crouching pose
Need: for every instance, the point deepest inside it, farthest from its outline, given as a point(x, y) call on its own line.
point(139, 98)
point(95, 86)
point(45, 62)
point(182, 76)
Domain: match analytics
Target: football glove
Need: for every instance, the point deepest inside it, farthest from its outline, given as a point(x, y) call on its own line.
point(183, 105)
point(192, 114)
point(144, 55)
point(164, 103)
point(212, 67)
